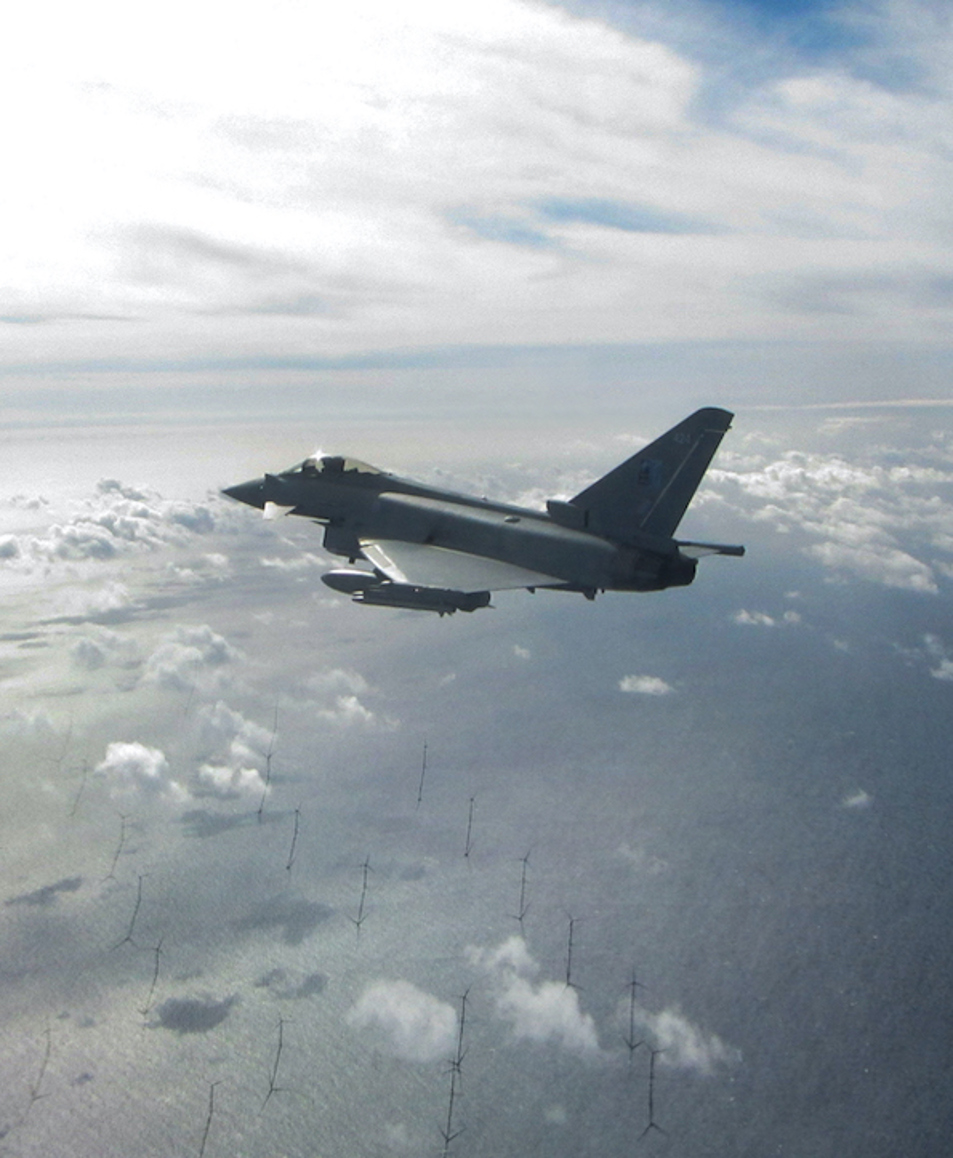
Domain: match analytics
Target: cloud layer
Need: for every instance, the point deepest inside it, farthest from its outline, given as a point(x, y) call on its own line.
point(867, 517)
point(340, 174)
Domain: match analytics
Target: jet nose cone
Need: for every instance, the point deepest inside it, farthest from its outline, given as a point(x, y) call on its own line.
point(252, 493)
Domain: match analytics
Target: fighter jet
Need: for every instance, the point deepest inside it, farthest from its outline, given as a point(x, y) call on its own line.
point(420, 547)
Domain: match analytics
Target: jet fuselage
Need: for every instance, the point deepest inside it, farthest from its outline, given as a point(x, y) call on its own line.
point(435, 550)
point(355, 505)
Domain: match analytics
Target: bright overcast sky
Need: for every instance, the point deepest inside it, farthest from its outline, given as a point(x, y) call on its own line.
point(212, 181)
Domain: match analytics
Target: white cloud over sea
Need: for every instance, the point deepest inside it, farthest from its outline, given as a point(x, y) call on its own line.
point(645, 685)
point(409, 1022)
point(682, 1044)
point(871, 517)
point(131, 766)
point(537, 1011)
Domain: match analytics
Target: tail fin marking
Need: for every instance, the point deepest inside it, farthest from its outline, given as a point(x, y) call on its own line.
point(650, 491)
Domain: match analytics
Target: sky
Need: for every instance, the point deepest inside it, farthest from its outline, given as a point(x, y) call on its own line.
point(281, 198)
point(661, 874)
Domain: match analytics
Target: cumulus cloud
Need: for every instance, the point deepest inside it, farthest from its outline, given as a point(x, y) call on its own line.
point(857, 800)
point(753, 618)
point(348, 711)
point(225, 781)
point(875, 520)
point(28, 502)
point(938, 653)
point(684, 1045)
point(544, 1011)
point(236, 751)
point(338, 691)
point(645, 685)
point(103, 647)
point(408, 1022)
point(132, 766)
point(105, 601)
point(191, 656)
point(115, 521)
point(26, 723)
point(296, 563)
point(879, 562)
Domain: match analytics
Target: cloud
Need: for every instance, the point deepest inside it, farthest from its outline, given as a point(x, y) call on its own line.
point(884, 521)
point(936, 651)
point(23, 723)
point(410, 1023)
point(28, 502)
point(761, 618)
point(683, 1045)
point(103, 647)
point(753, 619)
point(113, 522)
point(236, 749)
point(225, 781)
point(546, 1011)
point(106, 601)
point(645, 685)
point(348, 711)
point(298, 563)
point(879, 563)
point(191, 656)
point(338, 692)
point(857, 800)
point(132, 766)
point(573, 147)
point(221, 727)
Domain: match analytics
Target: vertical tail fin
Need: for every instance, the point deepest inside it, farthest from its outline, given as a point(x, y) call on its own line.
point(650, 491)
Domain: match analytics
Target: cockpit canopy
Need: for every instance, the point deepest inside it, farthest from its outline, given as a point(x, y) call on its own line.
point(333, 464)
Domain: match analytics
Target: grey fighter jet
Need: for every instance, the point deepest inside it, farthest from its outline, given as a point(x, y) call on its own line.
point(420, 547)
